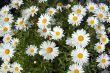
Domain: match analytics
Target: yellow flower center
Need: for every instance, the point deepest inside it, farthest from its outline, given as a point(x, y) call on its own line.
point(76, 71)
point(78, 10)
point(104, 39)
point(99, 47)
point(75, 18)
point(103, 60)
point(33, 10)
point(5, 68)
point(57, 33)
point(7, 51)
point(6, 19)
point(49, 50)
point(8, 38)
point(44, 20)
point(99, 27)
point(100, 34)
point(21, 22)
point(15, 43)
point(80, 38)
point(92, 8)
point(16, 69)
point(103, 8)
point(50, 12)
point(80, 55)
point(5, 29)
point(60, 4)
point(100, 15)
point(32, 50)
point(44, 30)
point(92, 22)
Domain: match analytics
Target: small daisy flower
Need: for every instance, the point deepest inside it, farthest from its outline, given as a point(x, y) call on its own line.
point(5, 10)
point(91, 7)
point(70, 42)
point(75, 68)
point(104, 39)
point(7, 38)
point(49, 50)
point(78, 9)
point(80, 56)
point(44, 20)
point(100, 34)
point(44, 32)
point(31, 50)
point(51, 11)
point(5, 67)
point(92, 21)
point(16, 68)
point(16, 3)
point(81, 38)
point(33, 10)
point(99, 47)
point(74, 19)
point(59, 6)
point(99, 28)
point(15, 42)
point(57, 33)
point(26, 13)
point(7, 51)
point(103, 61)
point(103, 7)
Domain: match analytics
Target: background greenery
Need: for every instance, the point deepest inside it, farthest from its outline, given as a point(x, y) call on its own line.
point(61, 63)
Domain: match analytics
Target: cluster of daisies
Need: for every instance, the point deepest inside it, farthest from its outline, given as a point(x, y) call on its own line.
point(49, 49)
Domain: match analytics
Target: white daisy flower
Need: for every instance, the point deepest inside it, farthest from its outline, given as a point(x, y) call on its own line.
point(100, 28)
point(103, 7)
point(57, 33)
point(70, 42)
point(33, 10)
point(31, 50)
point(99, 47)
point(15, 42)
point(5, 67)
point(78, 9)
point(16, 3)
point(42, 1)
point(92, 21)
point(7, 19)
point(80, 56)
point(7, 38)
point(92, 7)
point(51, 11)
point(75, 68)
point(74, 19)
point(100, 34)
point(81, 38)
point(44, 20)
point(59, 6)
point(16, 68)
point(26, 13)
point(7, 51)
point(104, 39)
point(5, 10)
point(103, 61)
point(44, 32)
point(49, 50)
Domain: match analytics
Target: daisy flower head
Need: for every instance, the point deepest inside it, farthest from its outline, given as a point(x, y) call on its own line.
point(51, 11)
point(44, 20)
point(101, 15)
point(49, 50)
point(57, 33)
point(74, 19)
point(33, 10)
point(59, 6)
point(91, 7)
point(42, 1)
point(99, 28)
point(80, 56)
point(44, 32)
point(70, 42)
point(5, 67)
point(103, 7)
point(104, 39)
point(16, 68)
point(16, 3)
point(100, 34)
point(5, 10)
point(81, 38)
point(103, 61)
point(7, 51)
point(31, 50)
point(75, 68)
point(92, 21)
point(15, 42)
point(7, 19)
point(26, 13)
point(7, 38)
point(78, 9)
point(99, 47)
